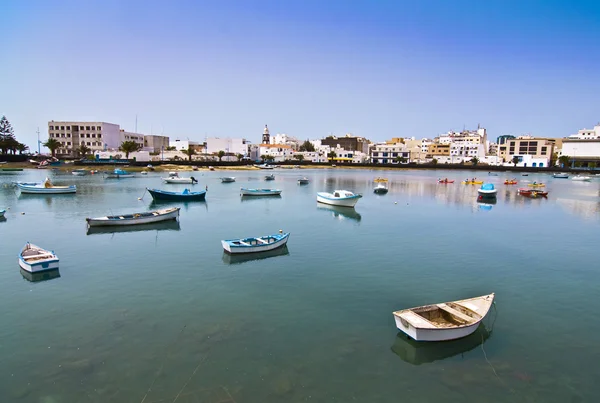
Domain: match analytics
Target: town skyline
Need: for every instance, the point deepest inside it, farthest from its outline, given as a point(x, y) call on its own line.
point(382, 70)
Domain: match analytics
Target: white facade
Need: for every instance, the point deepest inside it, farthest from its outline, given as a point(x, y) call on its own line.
point(354, 157)
point(587, 134)
point(529, 161)
point(95, 135)
point(279, 152)
point(467, 150)
point(384, 153)
point(182, 145)
point(229, 145)
point(313, 156)
point(141, 156)
point(581, 149)
point(282, 138)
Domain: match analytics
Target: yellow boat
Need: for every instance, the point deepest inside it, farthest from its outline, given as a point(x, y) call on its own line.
point(472, 182)
point(378, 180)
point(536, 185)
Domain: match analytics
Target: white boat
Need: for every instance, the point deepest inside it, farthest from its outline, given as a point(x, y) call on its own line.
point(264, 166)
point(118, 174)
point(260, 192)
point(487, 190)
point(342, 198)
point(303, 181)
point(35, 259)
point(444, 321)
point(253, 245)
point(79, 172)
point(144, 172)
point(136, 218)
point(581, 178)
point(561, 176)
point(270, 177)
point(2, 212)
point(175, 178)
point(381, 188)
point(45, 187)
point(228, 179)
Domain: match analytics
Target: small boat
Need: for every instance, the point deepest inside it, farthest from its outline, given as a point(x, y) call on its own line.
point(379, 180)
point(2, 212)
point(303, 181)
point(194, 168)
point(472, 182)
point(45, 187)
point(150, 167)
point(136, 218)
point(444, 321)
point(35, 259)
point(533, 193)
point(580, 178)
point(175, 178)
point(79, 172)
point(342, 198)
point(259, 244)
point(211, 168)
point(445, 181)
point(487, 190)
point(260, 192)
point(144, 172)
point(524, 174)
point(228, 179)
point(3, 162)
point(34, 162)
point(264, 166)
point(380, 189)
point(270, 177)
point(492, 173)
point(186, 195)
point(536, 185)
point(510, 182)
point(561, 175)
point(118, 173)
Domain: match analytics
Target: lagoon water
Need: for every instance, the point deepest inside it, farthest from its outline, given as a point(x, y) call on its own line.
point(163, 315)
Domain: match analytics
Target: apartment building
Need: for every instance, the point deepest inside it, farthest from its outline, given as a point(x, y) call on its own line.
point(97, 136)
point(154, 143)
point(231, 146)
point(439, 150)
point(540, 150)
point(389, 153)
point(348, 142)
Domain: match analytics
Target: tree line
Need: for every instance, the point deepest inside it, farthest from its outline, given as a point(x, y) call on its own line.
point(8, 141)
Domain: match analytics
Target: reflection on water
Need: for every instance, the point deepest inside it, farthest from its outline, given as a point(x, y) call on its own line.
point(41, 276)
point(340, 213)
point(422, 352)
point(161, 204)
point(171, 225)
point(583, 208)
point(247, 257)
point(252, 198)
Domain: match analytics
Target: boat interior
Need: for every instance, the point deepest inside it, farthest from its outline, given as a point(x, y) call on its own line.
point(265, 240)
point(447, 314)
point(30, 254)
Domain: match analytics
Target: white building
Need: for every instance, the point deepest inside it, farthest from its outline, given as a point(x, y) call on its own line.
point(587, 134)
point(279, 152)
point(582, 149)
point(129, 136)
point(231, 146)
point(181, 145)
point(529, 161)
point(313, 156)
point(95, 135)
point(282, 138)
point(385, 153)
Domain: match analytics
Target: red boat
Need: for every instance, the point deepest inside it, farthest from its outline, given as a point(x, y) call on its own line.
point(533, 193)
point(444, 181)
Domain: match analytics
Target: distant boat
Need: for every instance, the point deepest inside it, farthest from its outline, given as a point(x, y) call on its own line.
point(524, 174)
point(144, 172)
point(487, 190)
point(264, 166)
point(343, 198)
point(118, 173)
point(260, 192)
point(175, 178)
point(380, 180)
point(228, 179)
point(35, 259)
point(259, 244)
point(2, 212)
point(472, 182)
point(211, 168)
point(561, 176)
point(380, 189)
point(532, 193)
point(270, 177)
point(3, 162)
point(186, 195)
point(581, 178)
point(150, 167)
point(445, 181)
point(135, 218)
point(79, 172)
point(492, 174)
point(536, 185)
point(303, 181)
point(444, 321)
point(45, 187)
point(510, 182)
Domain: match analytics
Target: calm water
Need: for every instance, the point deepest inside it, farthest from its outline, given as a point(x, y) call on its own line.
point(164, 316)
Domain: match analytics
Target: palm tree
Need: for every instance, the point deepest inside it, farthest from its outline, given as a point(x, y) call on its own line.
point(331, 155)
point(400, 159)
point(83, 150)
point(189, 152)
point(239, 157)
point(21, 148)
point(434, 161)
point(221, 154)
point(564, 160)
point(474, 161)
point(52, 145)
point(515, 160)
point(299, 157)
point(269, 158)
point(129, 147)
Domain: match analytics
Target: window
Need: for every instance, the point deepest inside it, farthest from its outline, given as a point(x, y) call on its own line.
point(62, 128)
point(99, 135)
point(94, 135)
point(544, 150)
point(87, 135)
point(80, 127)
point(87, 128)
point(89, 144)
point(68, 134)
point(68, 143)
point(62, 135)
point(51, 127)
point(68, 127)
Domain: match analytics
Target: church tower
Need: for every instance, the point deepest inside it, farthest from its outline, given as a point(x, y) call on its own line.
point(266, 139)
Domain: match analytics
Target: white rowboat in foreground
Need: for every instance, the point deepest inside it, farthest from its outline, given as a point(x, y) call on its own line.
point(259, 244)
point(135, 219)
point(35, 259)
point(342, 198)
point(444, 321)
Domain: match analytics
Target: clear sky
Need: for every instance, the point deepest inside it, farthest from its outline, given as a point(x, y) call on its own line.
point(378, 69)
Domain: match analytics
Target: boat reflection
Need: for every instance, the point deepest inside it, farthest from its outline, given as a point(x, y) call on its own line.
point(159, 204)
point(41, 276)
point(252, 198)
point(341, 213)
point(417, 353)
point(171, 225)
point(248, 257)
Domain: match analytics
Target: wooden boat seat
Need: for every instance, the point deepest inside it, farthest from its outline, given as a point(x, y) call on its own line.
point(244, 243)
point(456, 313)
point(416, 320)
point(262, 240)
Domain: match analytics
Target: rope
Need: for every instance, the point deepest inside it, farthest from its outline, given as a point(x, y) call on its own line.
point(189, 379)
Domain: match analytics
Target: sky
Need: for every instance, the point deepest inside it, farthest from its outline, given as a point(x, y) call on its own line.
point(309, 68)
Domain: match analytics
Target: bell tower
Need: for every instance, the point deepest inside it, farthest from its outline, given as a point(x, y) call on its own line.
point(266, 138)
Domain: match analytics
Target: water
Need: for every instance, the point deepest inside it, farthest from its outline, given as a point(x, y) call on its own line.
point(163, 315)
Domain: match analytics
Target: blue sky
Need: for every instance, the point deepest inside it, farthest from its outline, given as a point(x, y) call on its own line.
point(379, 69)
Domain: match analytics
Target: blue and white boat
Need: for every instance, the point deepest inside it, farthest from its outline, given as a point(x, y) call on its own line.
point(45, 187)
point(35, 259)
point(303, 181)
point(260, 192)
point(186, 195)
point(145, 217)
point(343, 198)
point(487, 190)
point(118, 173)
point(270, 177)
point(259, 244)
point(264, 166)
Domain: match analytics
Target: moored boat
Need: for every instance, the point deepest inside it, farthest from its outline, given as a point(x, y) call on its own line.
point(580, 178)
point(79, 172)
point(561, 175)
point(445, 181)
point(258, 244)
point(536, 185)
point(228, 179)
point(342, 198)
point(186, 195)
point(510, 182)
point(118, 173)
point(487, 190)
point(176, 179)
point(381, 188)
point(45, 187)
point(303, 181)
point(35, 259)
point(533, 193)
point(264, 166)
point(135, 218)
point(260, 192)
point(270, 177)
point(2, 212)
point(444, 321)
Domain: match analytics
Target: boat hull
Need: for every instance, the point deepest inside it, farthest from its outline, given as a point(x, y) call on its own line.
point(2, 212)
point(238, 249)
point(487, 193)
point(341, 202)
point(260, 192)
point(302, 181)
point(33, 189)
point(172, 196)
point(228, 180)
point(435, 334)
point(380, 191)
point(188, 181)
point(38, 261)
point(134, 219)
